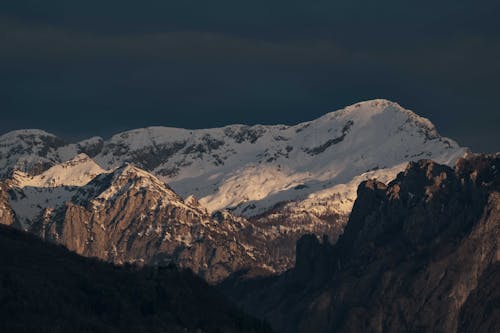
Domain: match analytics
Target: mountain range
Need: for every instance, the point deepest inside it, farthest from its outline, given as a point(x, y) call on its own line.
point(365, 219)
point(237, 197)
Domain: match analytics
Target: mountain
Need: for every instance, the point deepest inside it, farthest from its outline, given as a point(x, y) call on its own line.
point(280, 181)
point(78, 171)
point(30, 195)
point(33, 151)
point(418, 254)
point(127, 215)
point(249, 169)
point(45, 288)
point(130, 216)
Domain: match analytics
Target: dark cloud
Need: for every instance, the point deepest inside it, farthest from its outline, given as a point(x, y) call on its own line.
point(97, 67)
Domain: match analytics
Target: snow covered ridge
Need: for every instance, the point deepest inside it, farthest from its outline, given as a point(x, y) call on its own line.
point(249, 169)
point(76, 172)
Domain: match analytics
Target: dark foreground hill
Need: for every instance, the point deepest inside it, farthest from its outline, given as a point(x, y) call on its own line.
point(420, 254)
point(46, 288)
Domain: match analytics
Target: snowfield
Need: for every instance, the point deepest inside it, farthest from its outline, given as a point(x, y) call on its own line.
point(314, 166)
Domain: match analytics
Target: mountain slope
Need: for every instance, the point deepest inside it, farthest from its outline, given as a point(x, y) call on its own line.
point(30, 195)
point(45, 288)
point(251, 168)
point(420, 253)
point(285, 181)
point(76, 172)
point(33, 151)
point(129, 215)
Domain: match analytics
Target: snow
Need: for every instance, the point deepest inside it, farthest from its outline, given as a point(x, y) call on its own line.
point(249, 169)
point(129, 176)
point(76, 172)
point(382, 135)
point(339, 199)
point(52, 188)
point(29, 202)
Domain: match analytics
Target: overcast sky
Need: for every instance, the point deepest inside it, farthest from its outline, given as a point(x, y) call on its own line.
point(84, 68)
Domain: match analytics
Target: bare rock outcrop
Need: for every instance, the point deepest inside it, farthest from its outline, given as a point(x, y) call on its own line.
point(420, 254)
point(130, 216)
point(7, 216)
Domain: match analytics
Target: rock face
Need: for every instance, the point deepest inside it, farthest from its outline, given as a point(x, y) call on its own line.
point(481, 311)
point(130, 216)
point(420, 253)
point(45, 288)
point(7, 215)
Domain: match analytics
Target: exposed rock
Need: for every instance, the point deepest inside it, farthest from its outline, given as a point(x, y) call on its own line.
point(419, 254)
point(130, 216)
point(7, 215)
point(481, 311)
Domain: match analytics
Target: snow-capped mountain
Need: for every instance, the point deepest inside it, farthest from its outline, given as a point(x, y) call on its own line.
point(76, 172)
point(130, 216)
point(30, 195)
point(256, 189)
point(249, 169)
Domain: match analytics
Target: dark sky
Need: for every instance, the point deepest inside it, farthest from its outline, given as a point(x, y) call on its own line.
point(83, 68)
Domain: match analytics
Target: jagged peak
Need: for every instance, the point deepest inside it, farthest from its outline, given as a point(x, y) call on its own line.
point(130, 170)
point(129, 175)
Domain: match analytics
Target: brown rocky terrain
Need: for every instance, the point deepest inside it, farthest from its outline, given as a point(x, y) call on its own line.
point(129, 216)
point(7, 215)
point(418, 254)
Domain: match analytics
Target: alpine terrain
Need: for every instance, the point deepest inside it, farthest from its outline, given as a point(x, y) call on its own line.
point(420, 253)
point(238, 197)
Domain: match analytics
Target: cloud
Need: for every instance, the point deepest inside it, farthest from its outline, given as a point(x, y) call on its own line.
point(49, 44)
point(198, 64)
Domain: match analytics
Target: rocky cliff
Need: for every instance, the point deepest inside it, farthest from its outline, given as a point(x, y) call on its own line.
point(418, 254)
point(7, 215)
point(130, 216)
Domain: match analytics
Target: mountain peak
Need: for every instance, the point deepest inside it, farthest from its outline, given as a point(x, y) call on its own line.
point(371, 108)
point(76, 172)
point(130, 171)
point(129, 177)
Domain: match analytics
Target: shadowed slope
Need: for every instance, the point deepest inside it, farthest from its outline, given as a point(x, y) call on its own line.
point(419, 254)
point(45, 288)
